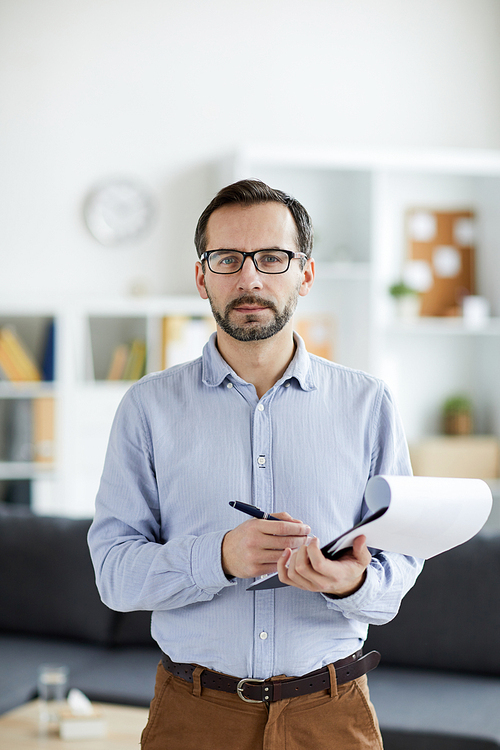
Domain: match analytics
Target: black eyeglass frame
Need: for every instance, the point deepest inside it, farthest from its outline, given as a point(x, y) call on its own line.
point(291, 255)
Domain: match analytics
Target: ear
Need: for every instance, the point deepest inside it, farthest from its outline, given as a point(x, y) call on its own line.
point(200, 280)
point(307, 278)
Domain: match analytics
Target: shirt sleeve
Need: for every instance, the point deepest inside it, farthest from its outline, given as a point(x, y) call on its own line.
point(135, 568)
point(390, 575)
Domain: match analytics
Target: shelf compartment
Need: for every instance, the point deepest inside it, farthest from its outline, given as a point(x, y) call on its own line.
point(35, 335)
point(107, 335)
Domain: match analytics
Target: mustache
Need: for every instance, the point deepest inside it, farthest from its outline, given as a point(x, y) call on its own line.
point(250, 299)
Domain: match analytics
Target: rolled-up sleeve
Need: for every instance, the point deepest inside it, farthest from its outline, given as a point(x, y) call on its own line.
point(390, 575)
point(135, 567)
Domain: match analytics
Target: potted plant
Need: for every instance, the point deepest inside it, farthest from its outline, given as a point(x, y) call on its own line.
point(406, 298)
point(457, 415)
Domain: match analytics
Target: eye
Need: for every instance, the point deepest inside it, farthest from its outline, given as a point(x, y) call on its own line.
point(225, 259)
point(275, 259)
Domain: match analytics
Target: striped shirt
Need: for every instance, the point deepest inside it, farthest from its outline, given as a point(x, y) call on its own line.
point(186, 441)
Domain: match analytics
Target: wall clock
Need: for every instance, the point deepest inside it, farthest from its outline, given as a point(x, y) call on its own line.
point(118, 211)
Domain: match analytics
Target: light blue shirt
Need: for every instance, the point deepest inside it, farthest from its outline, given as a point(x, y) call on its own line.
point(188, 440)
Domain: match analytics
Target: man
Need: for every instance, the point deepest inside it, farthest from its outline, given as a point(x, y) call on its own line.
point(256, 419)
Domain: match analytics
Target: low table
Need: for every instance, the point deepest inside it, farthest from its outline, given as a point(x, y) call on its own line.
point(19, 729)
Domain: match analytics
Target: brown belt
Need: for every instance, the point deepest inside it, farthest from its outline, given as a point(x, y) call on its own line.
point(252, 690)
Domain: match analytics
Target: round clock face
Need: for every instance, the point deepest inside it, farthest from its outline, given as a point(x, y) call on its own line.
point(118, 211)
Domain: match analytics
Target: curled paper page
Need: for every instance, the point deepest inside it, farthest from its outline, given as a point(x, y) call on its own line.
point(423, 516)
point(417, 516)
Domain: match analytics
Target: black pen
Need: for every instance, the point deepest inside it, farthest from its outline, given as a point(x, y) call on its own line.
point(251, 510)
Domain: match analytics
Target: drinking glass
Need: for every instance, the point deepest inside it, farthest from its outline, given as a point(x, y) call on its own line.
point(52, 690)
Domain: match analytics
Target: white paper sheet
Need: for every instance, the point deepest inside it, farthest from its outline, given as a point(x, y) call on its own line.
point(417, 516)
point(425, 516)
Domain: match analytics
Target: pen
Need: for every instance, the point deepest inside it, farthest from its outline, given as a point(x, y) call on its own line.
point(251, 510)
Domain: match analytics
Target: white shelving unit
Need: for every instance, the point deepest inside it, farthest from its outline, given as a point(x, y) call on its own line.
point(86, 333)
point(357, 202)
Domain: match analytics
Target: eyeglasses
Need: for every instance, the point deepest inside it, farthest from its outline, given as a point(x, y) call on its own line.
point(265, 261)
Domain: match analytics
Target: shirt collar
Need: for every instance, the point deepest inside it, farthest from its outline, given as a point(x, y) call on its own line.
point(216, 369)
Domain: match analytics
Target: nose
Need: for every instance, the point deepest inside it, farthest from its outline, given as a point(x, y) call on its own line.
point(248, 276)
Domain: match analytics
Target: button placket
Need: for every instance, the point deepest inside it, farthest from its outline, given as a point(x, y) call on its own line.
point(263, 498)
point(261, 449)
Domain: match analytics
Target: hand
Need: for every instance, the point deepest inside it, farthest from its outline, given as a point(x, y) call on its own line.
point(310, 570)
point(254, 547)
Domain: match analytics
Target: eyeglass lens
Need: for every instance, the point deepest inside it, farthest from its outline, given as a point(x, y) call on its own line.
point(267, 261)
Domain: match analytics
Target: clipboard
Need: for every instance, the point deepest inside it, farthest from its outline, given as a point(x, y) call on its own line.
point(416, 516)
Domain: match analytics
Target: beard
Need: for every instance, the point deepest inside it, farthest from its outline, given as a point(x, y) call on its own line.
point(253, 329)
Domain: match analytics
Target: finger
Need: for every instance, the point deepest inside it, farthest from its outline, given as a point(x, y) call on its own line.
point(282, 542)
point(360, 551)
point(284, 516)
point(283, 568)
point(284, 528)
point(310, 570)
point(297, 571)
point(315, 555)
point(358, 559)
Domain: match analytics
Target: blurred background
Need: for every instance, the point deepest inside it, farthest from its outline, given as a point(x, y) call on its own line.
point(119, 121)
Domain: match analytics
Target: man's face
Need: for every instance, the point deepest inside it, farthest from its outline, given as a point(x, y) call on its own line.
point(250, 305)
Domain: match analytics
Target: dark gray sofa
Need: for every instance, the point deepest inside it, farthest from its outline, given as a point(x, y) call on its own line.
point(437, 688)
point(440, 669)
point(50, 611)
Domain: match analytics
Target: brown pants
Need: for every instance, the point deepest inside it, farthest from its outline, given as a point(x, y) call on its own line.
point(182, 716)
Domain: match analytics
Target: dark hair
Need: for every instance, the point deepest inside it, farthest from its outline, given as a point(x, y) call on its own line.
point(253, 192)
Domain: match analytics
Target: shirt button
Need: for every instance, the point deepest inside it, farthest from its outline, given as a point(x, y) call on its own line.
point(260, 407)
point(229, 385)
point(263, 635)
point(261, 460)
point(287, 385)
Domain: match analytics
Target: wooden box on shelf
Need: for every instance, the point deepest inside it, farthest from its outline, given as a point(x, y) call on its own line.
point(474, 456)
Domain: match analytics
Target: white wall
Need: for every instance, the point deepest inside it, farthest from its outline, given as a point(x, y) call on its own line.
point(158, 89)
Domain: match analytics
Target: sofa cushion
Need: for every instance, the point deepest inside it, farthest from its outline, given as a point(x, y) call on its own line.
point(451, 617)
point(133, 629)
point(48, 580)
point(112, 675)
point(21, 655)
point(120, 675)
point(427, 700)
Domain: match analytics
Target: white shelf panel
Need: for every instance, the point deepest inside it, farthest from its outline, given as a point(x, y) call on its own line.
point(24, 470)
point(444, 326)
point(27, 389)
point(463, 161)
point(146, 306)
point(337, 271)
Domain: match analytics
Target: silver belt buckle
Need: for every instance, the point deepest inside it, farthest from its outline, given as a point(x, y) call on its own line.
point(250, 680)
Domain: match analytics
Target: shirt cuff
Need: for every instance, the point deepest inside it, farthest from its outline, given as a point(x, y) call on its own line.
point(206, 563)
point(360, 599)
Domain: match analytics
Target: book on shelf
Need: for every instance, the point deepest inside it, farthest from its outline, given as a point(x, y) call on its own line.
point(48, 360)
point(16, 362)
point(43, 430)
point(4, 437)
point(136, 362)
point(118, 362)
point(27, 429)
point(184, 337)
point(18, 426)
point(128, 361)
